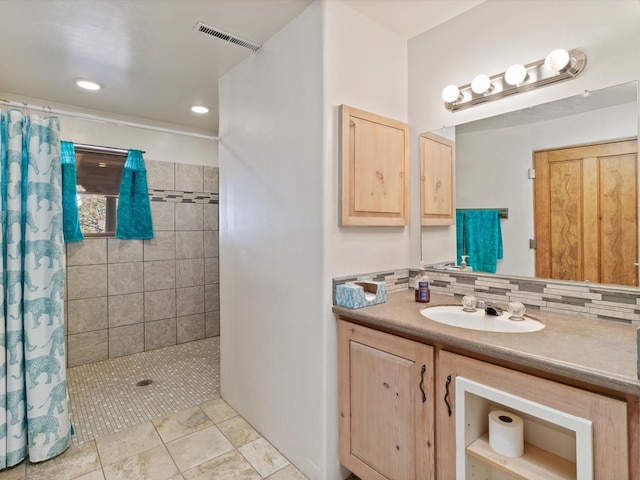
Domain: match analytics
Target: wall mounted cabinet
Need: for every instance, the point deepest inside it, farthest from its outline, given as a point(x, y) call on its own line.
point(374, 157)
point(437, 157)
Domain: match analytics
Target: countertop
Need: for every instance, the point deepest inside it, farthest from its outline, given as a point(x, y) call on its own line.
point(595, 352)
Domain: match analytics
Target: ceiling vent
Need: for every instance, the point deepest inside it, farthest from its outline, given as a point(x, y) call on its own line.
point(228, 37)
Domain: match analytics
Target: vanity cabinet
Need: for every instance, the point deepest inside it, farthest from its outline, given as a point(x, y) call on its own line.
point(437, 157)
point(598, 448)
point(409, 410)
point(386, 404)
point(374, 171)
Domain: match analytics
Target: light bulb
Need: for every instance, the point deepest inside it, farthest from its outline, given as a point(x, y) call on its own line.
point(450, 94)
point(557, 60)
point(481, 84)
point(515, 74)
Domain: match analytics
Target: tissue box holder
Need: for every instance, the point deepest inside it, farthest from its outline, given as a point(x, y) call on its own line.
point(360, 294)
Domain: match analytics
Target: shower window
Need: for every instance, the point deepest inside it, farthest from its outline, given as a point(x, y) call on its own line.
point(98, 177)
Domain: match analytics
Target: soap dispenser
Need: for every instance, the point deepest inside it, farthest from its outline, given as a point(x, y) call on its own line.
point(422, 293)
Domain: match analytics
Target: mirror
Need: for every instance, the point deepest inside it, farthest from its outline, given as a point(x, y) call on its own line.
point(494, 157)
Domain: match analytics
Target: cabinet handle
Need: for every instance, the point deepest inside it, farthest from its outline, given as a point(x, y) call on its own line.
point(424, 396)
point(446, 395)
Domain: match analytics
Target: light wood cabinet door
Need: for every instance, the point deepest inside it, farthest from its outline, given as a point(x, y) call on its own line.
point(609, 416)
point(374, 156)
point(437, 157)
point(386, 421)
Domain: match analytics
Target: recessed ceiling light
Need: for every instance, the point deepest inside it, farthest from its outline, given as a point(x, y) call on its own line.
point(199, 109)
point(88, 85)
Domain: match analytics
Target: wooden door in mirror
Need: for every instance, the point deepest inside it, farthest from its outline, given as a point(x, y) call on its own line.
point(586, 213)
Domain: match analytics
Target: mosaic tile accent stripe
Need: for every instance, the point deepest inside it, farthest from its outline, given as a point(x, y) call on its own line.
point(175, 196)
point(602, 302)
point(613, 303)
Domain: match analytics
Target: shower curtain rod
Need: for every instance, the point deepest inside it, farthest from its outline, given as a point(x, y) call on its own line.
point(97, 118)
point(98, 148)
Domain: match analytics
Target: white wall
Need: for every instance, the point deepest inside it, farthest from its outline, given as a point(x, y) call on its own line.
point(366, 67)
point(158, 145)
point(497, 33)
point(279, 237)
point(271, 241)
point(491, 170)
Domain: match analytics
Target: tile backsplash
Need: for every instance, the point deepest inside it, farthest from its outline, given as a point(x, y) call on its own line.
point(128, 296)
point(604, 302)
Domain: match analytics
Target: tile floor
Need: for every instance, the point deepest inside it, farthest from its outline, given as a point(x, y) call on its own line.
point(177, 428)
point(105, 399)
point(209, 441)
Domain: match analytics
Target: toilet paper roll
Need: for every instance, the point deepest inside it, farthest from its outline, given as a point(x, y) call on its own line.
point(506, 433)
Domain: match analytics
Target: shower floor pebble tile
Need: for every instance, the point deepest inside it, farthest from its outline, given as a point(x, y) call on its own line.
point(140, 453)
point(104, 398)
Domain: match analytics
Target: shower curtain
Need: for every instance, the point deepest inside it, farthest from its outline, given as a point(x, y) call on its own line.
point(34, 413)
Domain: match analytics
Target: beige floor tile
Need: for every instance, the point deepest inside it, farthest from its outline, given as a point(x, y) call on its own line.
point(238, 431)
point(14, 473)
point(182, 423)
point(177, 477)
point(198, 447)
point(218, 410)
point(287, 473)
point(134, 440)
point(263, 457)
point(155, 463)
point(76, 461)
point(230, 466)
point(95, 475)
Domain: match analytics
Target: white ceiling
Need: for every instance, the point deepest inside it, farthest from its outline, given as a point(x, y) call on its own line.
point(146, 53)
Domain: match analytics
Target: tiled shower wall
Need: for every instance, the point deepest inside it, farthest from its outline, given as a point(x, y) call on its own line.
point(128, 296)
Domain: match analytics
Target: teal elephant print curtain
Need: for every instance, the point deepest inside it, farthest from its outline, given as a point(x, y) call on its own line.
point(34, 404)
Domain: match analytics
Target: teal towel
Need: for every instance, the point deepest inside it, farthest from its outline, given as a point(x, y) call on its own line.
point(460, 246)
point(134, 211)
point(478, 235)
point(70, 219)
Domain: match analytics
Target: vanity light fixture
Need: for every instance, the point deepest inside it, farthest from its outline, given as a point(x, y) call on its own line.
point(558, 66)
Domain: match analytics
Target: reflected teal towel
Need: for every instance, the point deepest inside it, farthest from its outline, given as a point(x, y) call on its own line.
point(479, 235)
point(134, 212)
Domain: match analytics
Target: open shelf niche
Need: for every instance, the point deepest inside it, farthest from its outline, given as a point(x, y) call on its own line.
point(557, 445)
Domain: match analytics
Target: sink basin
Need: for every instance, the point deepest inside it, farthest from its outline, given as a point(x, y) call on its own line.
point(455, 316)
